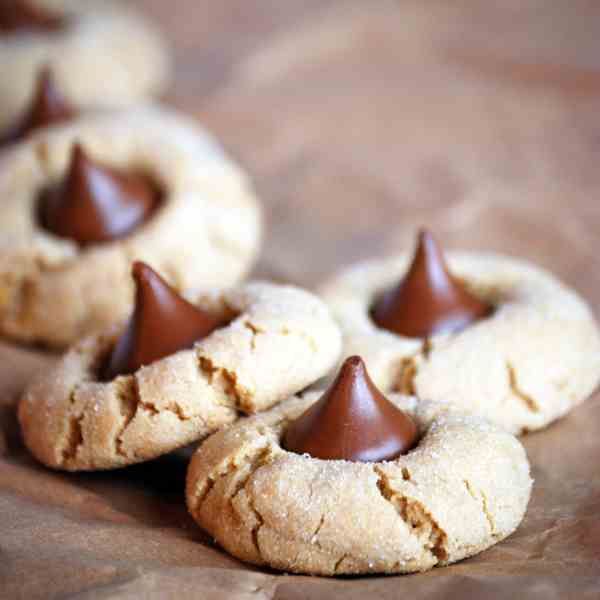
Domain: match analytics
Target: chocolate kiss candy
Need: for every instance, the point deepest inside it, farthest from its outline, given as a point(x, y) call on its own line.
point(429, 299)
point(352, 421)
point(22, 14)
point(95, 203)
point(162, 323)
point(47, 107)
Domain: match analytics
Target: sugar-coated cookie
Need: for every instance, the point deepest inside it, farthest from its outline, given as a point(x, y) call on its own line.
point(464, 487)
point(204, 232)
point(527, 362)
point(103, 53)
point(277, 341)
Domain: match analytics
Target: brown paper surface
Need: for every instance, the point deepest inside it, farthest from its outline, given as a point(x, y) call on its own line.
point(359, 121)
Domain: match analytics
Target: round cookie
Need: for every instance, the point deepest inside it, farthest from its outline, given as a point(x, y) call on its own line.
point(104, 54)
point(206, 231)
point(281, 340)
point(463, 488)
point(528, 363)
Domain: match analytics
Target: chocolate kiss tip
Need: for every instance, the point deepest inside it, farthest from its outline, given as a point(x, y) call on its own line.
point(428, 300)
point(95, 203)
point(352, 421)
point(45, 79)
point(162, 323)
point(48, 106)
point(80, 161)
point(352, 363)
point(140, 269)
point(425, 239)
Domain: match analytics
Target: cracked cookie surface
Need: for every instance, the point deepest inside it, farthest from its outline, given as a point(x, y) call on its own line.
point(205, 232)
point(106, 54)
point(526, 365)
point(463, 488)
point(281, 340)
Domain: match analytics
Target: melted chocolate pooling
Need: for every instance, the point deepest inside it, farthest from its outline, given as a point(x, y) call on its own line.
point(352, 421)
point(48, 106)
point(162, 323)
point(429, 300)
point(23, 15)
point(95, 203)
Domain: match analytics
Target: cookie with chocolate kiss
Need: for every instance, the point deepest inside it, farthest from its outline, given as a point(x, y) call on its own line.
point(352, 421)
point(24, 15)
point(95, 203)
point(130, 190)
point(500, 338)
point(106, 53)
point(294, 512)
point(429, 299)
point(225, 353)
point(48, 107)
point(162, 323)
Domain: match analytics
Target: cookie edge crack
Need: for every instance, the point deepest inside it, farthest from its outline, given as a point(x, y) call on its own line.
point(435, 544)
point(482, 500)
point(73, 438)
point(513, 385)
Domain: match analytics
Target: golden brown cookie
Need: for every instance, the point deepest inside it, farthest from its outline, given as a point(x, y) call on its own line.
point(103, 53)
point(464, 487)
point(205, 232)
point(281, 340)
point(534, 358)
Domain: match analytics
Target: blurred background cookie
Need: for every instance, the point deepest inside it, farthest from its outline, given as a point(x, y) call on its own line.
point(103, 53)
point(84, 199)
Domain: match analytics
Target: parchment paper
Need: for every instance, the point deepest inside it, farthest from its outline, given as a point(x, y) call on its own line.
point(359, 121)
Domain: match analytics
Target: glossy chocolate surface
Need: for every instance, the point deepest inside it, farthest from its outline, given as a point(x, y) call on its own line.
point(429, 300)
point(352, 421)
point(48, 106)
point(162, 323)
point(25, 15)
point(95, 203)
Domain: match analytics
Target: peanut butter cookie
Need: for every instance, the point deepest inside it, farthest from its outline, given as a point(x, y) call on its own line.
point(273, 341)
point(492, 335)
point(81, 201)
point(463, 487)
point(103, 53)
